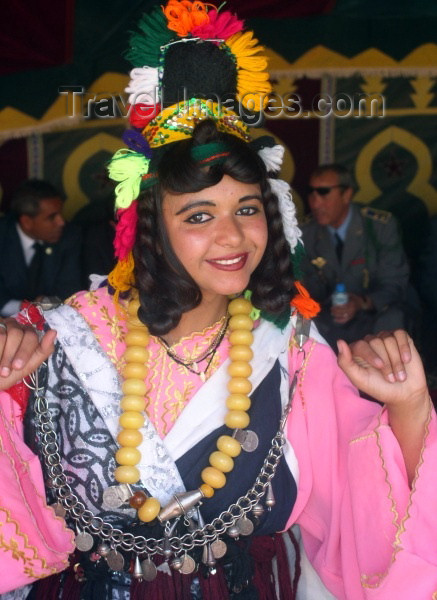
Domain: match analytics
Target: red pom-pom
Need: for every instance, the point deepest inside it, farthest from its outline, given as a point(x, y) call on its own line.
point(141, 114)
point(221, 25)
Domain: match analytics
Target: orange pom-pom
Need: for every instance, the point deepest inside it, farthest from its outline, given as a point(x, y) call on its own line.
point(121, 278)
point(303, 302)
point(183, 15)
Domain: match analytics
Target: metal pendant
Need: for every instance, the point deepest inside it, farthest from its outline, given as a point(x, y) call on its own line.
point(84, 541)
point(270, 497)
point(138, 572)
point(115, 496)
point(115, 560)
point(148, 568)
point(103, 549)
point(208, 557)
point(245, 526)
point(248, 439)
point(180, 504)
point(258, 510)
point(188, 565)
point(234, 531)
point(218, 548)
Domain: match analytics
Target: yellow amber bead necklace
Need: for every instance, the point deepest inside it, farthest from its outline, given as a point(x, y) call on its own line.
point(133, 405)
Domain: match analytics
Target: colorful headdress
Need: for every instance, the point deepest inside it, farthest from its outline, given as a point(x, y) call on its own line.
point(190, 48)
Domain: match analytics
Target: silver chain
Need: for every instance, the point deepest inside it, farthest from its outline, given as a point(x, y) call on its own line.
point(86, 520)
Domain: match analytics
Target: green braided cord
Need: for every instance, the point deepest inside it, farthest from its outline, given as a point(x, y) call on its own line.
point(204, 151)
point(145, 46)
point(296, 259)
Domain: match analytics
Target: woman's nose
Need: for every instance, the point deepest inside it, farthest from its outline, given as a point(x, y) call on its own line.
point(229, 232)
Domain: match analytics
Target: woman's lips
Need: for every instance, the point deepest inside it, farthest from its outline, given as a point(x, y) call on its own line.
point(230, 263)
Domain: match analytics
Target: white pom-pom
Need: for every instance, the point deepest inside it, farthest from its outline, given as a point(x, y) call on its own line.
point(287, 209)
point(272, 157)
point(143, 86)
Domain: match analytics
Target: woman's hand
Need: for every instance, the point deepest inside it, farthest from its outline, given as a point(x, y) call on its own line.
point(21, 352)
point(385, 366)
point(388, 368)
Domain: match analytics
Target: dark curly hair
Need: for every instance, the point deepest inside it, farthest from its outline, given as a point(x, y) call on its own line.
point(165, 288)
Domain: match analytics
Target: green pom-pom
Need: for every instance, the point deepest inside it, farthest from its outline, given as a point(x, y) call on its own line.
point(127, 167)
point(144, 46)
point(280, 321)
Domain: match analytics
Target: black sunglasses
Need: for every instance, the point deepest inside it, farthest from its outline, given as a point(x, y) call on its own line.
point(323, 190)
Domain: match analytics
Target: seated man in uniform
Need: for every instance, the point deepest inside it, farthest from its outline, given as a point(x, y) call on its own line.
point(39, 253)
point(359, 247)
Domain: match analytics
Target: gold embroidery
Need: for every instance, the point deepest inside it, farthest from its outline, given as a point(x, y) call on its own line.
point(400, 526)
point(303, 372)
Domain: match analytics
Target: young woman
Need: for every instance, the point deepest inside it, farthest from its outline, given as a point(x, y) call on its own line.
point(196, 414)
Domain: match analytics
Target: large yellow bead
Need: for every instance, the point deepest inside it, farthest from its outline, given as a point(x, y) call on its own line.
point(133, 306)
point(129, 437)
point(149, 510)
point(126, 474)
point(237, 419)
point(241, 353)
point(128, 456)
point(136, 387)
point(240, 322)
point(239, 385)
point(207, 490)
point(239, 368)
point(136, 354)
point(221, 461)
point(229, 445)
point(136, 403)
point(134, 370)
point(239, 306)
point(213, 477)
point(241, 337)
point(137, 337)
point(131, 419)
point(238, 402)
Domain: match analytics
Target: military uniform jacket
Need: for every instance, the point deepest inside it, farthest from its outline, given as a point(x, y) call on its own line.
point(373, 262)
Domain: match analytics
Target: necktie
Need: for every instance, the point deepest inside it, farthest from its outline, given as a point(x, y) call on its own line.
point(35, 271)
point(338, 246)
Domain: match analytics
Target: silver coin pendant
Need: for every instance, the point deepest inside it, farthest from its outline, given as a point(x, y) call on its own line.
point(84, 541)
point(188, 565)
point(148, 568)
point(115, 560)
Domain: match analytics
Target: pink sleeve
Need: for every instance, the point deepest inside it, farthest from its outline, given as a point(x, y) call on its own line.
point(361, 524)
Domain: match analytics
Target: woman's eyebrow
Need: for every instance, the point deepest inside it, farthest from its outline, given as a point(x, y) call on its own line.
point(191, 205)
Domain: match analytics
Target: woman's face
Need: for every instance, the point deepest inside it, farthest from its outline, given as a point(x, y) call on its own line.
point(219, 234)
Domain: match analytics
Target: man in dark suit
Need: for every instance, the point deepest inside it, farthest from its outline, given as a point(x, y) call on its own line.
point(359, 247)
point(39, 254)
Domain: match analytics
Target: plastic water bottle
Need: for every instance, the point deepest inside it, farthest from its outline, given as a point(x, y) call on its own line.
point(340, 296)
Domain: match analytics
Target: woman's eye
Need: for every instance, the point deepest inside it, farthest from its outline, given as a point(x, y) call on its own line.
point(248, 211)
point(200, 217)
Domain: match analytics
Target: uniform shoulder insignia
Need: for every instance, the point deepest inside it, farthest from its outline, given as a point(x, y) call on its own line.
point(376, 214)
